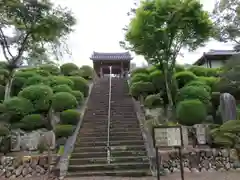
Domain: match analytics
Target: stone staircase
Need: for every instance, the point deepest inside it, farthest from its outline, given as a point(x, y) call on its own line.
point(128, 154)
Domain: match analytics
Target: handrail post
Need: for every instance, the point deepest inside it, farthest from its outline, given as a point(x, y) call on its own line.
point(109, 116)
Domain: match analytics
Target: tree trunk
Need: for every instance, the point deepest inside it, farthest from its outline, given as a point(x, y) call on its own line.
point(8, 87)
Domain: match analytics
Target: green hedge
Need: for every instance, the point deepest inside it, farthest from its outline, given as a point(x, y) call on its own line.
point(70, 116)
point(184, 78)
point(80, 84)
point(32, 122)
point(64, 130)
point(67, 68)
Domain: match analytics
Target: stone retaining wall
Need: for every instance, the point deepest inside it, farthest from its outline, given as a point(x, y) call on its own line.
point(25, 166)
point(198, 160)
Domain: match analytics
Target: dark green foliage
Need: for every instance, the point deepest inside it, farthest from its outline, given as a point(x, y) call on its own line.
point(139, 71)
point(190, 112)
point(62, 101)
point(184, 77)
point(2, 93)
point(80, 84)
point(194, 92)
point(18, 107)
point(153, 101)
point(39, 95)
point(32, 122)
point(17, 85)
point(4, 131)
point(70, 116)
point(202, 71)
point(200, 84)
point(35, 80)
point(157, 80)
point(179, 68)
point(140, 77)
point(64, 130)
point(67, 68)
point(25, 74)
point(4, 75)
point(210, 81)
point(61, 88)
point(60, 80)
point(53, 70)
point(86, 72)
point(3, 65)
point(79, 96)
point(141, 89)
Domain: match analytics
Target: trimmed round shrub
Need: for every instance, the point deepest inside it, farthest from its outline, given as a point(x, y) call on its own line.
point(140, 78)
point(139, 71)
point(63, 130)
point(4, 131)
point(3, 65)
point(202, 71)
point(141, 89)
point(80, 84)
point(70, 116)
point(63, 100)
point(210, 81)
point(37, 79)
point(157, 80)
point(67, 68)
point(39, 95)
point(179, 68)
point(61, 88)
point(42, 73)
point(152, 69)
point(17, 107)
point(25, 74)
point(17, 85)
point(60, 80)
point(153, 101)
point(52, 69)
point(86, 72)
point(32, 122)
point(2, 108)
point(184, 77)
point(198, 83)
point(4, 74)
point(193, 92)
point(190, 112)
point(79, 96)
point(2, 93)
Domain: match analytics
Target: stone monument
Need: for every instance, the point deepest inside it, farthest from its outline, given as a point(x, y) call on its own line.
point(228, 109)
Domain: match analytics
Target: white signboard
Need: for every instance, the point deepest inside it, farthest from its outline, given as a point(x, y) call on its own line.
point(167, 137)
point(200, 133)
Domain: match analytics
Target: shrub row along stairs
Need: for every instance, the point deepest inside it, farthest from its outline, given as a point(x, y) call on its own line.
point(128, 153)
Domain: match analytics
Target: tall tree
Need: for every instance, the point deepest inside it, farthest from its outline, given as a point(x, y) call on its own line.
point(31, 23)
point(226, 16)
point(159, 29)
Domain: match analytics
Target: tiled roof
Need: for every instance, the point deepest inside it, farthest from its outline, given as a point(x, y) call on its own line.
point(111, 56)
point(221, 52)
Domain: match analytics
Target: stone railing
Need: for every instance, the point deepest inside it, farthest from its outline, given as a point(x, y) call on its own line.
point(62, 166)
point(148, 141)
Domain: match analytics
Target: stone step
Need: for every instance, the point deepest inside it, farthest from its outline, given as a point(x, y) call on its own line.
point(121, 173)
point(104, 160)
point(114, 126)
point(96, 130)
point(112, 143)
point(107, 167)
point(112, 138)
point(114, 153)
point(80, 149)
point(115, 122)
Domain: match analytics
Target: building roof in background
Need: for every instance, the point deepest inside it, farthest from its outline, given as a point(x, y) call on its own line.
point(120, 56)
point(215, 55)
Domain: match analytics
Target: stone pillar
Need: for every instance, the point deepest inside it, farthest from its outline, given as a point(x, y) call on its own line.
point(101, 72)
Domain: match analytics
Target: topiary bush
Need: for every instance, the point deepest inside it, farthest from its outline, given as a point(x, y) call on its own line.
point(202, 71)
point(60, 80)
point(52, 69)
point(141, 89)
point(25, 74)
point(32, 122)
point(67, 68)
point(70, 116)
point(86, 72)
point(153, 101)
point(80, 84)
point(190, 112)
point(62, 101)
point(39, 95)
point(140, 77)
point(200, 84)
point(37, 79)
point(17, 85)
point(18, 107)
point(210, 81)
point(179, 68)
point(4, 75)
point(61, 88)
point(157, 80)
point(63, 130)
point(139, 71)
point(79, 96)
point(2, 93)
point(184, 77)
point(194, 92)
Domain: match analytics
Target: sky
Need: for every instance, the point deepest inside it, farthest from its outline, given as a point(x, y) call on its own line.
point(99, 28)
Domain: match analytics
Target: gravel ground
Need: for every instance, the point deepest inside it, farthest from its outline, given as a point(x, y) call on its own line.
point(176, 176)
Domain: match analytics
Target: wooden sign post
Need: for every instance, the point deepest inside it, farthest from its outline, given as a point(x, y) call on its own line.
point(168, 136)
